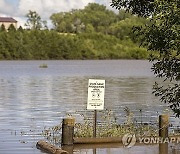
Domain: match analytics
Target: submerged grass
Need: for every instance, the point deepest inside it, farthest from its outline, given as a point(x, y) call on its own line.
point(43, 66)
point(107, 127)
point(112, 129)
point(53, 134)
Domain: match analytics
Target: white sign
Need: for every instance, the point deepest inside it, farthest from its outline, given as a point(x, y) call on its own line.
point(96, 89)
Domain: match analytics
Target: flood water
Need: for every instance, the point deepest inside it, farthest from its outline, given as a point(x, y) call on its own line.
point(33, 98)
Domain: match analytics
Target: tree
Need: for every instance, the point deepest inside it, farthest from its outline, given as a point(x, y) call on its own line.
point(11, 28)
point(2, 28)
point(34, 21)
point(20, 29)
point(144, 8)
point(63, 21)
point(99, 17)
point(76, 21)
point(162, 38)
point(123, 28)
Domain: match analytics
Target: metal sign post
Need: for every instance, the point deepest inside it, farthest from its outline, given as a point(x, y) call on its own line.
point(96, 90)
point(95, 123)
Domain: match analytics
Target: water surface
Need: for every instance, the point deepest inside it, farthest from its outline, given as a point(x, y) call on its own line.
point(33, 99)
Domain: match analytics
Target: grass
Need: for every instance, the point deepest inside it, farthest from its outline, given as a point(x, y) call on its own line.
point(53, 134)
point(112, 129)
point(109, 129)
point(43, 66)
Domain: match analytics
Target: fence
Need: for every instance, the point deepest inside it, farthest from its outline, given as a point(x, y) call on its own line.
point(111, 128)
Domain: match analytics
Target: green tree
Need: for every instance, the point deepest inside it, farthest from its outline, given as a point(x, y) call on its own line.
point(11, 28)
point(76, 20)
point(162, 38)
point(63, 22)
point(94, 37)
point(122, 15)
point(20, 29)
point(144, 8)
point(34, 21)
point(123, 28)
point(89, 28)
point(4, 53)
point(99, 16)
point(2, 28)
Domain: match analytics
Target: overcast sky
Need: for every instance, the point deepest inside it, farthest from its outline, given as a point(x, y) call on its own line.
point(45, 8)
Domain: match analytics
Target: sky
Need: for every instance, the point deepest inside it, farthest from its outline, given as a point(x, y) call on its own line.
point(45, 8)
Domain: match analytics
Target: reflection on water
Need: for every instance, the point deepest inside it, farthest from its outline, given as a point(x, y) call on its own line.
point(163, 148)
point(32, 98)
point(119, 149)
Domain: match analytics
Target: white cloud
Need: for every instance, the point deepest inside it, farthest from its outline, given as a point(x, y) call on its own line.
point(21, 21)
point(26, 5)
point(107, 3)
point(6, 8)
point(45, 8)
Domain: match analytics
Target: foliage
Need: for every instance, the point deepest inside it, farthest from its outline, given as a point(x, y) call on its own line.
point(115, 130)
point(34, 21)
point(44, 44)
point(108, 127)
point(123, 28)
point(53, 134)
point(143, 8)
point(2, 28)
point(95, 17)
point(76, 21)
point(43, 66)
point(12, 28)
point(161, 36)
point(90, 33)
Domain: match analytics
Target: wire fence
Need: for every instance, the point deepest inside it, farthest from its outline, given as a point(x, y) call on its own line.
point(115, 123)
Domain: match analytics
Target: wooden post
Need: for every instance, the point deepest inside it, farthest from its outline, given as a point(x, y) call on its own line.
point(95, 123)
point(68, 148)
point(94, 150)
point(68, 131)
point(163, 148)
point(163, 133)
point(163, 126)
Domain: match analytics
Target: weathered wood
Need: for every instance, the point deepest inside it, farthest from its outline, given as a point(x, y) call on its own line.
point(163, 132)
point(97, 140)
point(68, 131)
point(49, 148)
point(97, 145)
point(68, 148)
point(163, 125)
point(110, 140)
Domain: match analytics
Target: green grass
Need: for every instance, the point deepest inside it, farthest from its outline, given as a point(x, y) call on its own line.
point(43, 66)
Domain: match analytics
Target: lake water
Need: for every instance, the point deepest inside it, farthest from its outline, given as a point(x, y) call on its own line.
point(33, 98)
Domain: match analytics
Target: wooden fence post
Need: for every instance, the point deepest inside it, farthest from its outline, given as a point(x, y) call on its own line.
point(68, 131)
point(163, 126)
point(163, 133)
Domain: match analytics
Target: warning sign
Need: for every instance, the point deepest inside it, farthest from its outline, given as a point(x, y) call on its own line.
point(96, 89)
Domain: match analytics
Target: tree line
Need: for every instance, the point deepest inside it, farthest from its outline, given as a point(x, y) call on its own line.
point(90, 33)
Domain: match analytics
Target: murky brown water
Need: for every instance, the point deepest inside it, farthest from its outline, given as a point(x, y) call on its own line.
point(33, 98)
